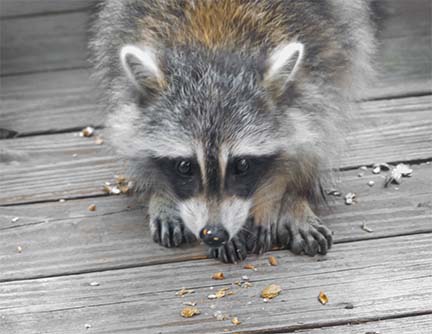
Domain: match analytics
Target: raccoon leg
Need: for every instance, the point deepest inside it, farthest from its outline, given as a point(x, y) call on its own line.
point(301, 230)
point(166, 226)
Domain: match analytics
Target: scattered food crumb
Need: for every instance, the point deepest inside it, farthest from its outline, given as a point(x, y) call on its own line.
point(365, 228)
point(272, 260)
point(112, 190)
point(62, 200)
point(221, 293)
point(360, 174)
point(266, 300)
point(183, 291)
point(349, 306)
point(322, 298)
point(87, 326)
point(92, 207)
point(334, 192)
point(377, 168)
point(245, 278)
point(189, 312)
point(271, 291)
point(122, 186)
point(371, 183)
point(120, 179)
point(249, 266)
point(220, 316)
point(98, 140)
point(405, 170)
point(364, 168)
point(349, 198)
point(401, 170)
point(235, 321)
point(87, 132)
point(19, 249)
point(218, 276)
point(94, 283)
point(14, 219)
point(190, 303)
point(74, 155)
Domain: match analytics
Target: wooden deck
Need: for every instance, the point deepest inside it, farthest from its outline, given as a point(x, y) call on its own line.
point(64, 269)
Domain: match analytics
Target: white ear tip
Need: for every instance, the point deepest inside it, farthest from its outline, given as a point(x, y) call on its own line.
point(146, 58)
point(284, 55)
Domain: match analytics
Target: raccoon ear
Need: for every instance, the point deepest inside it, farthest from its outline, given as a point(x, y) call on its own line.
point(283, 65)
point(141, 67)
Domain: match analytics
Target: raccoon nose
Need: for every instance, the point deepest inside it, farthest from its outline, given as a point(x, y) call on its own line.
point(214, 235)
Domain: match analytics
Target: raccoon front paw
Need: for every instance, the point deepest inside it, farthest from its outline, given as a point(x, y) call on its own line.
point(310, 237)
point(259, 239)
point(233, 251)
point(170, 231)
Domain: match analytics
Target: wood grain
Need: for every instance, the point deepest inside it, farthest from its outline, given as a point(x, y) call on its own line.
point(16, 8)
point(42, 43)
point(65, 238)
point(394, 282)
point(59, 42)
point(407, 325)
point(49, 102)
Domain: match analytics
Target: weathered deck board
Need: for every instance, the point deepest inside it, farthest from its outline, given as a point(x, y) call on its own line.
point(49, 102)
point(394, 282)
point(406, 325)
point(14, 8)
point(53, 42)
point(45, 169)
point(115, 237)
point(59, 42)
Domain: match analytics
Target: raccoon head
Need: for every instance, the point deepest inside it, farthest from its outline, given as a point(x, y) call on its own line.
point(209, 130)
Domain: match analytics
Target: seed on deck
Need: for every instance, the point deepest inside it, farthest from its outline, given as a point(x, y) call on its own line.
point(189, 311)
point(322, 298)
point(87, 132)
point(183, 291)
point(92, 207)
point(249, 266)
point(218, 276)
point(235, 321)
point(271, 291)
point(365, 228)
point(272, 260)
point(349, 198)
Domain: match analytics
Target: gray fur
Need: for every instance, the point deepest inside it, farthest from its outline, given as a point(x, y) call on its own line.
point(220, 98)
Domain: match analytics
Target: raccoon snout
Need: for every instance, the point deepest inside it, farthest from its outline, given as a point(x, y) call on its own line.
point(214, 235)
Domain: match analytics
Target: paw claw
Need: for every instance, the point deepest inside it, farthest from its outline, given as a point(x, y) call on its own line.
point(170, 232)
point(309, 237)
point(232, 252)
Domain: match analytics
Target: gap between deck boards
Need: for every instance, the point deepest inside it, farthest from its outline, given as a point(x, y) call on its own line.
point(144, 298)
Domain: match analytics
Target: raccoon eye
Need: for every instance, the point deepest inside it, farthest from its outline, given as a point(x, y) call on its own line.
point(184, 167)
point(241, 166)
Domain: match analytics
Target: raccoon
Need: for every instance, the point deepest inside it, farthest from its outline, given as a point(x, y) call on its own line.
point(230, 112)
